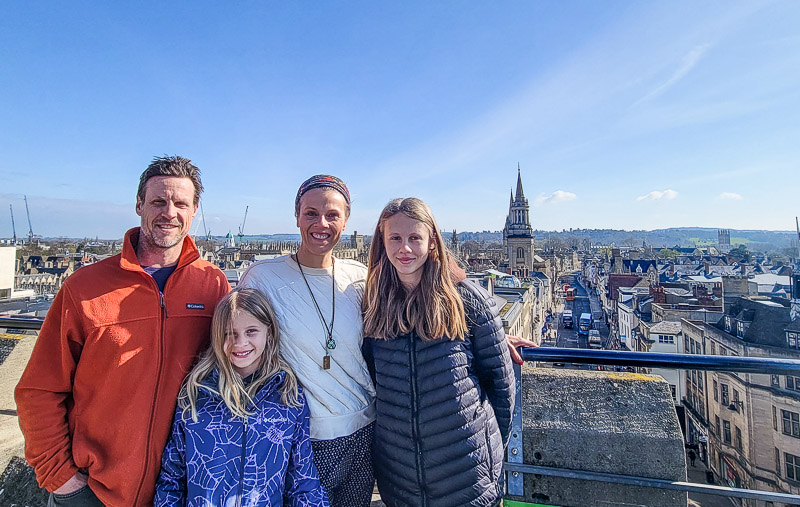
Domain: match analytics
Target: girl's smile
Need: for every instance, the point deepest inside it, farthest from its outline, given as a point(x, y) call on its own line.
point(244, 342)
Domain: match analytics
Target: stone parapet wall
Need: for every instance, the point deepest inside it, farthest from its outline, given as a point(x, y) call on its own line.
point(618, 423)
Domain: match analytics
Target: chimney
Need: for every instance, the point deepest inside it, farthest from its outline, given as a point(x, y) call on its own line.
point(705, 267)
point(733, 286)
point(716, 291)
point(658, 294)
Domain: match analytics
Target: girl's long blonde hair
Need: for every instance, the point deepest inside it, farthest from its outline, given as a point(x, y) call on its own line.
point(433, 309)
point(230, 386)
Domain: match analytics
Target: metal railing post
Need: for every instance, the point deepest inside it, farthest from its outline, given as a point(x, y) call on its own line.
point(514, 484)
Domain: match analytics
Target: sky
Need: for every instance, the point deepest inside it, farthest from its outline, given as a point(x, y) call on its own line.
point(620, 114)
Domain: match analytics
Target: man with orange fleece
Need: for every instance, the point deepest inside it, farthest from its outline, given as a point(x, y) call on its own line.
point(96, 400)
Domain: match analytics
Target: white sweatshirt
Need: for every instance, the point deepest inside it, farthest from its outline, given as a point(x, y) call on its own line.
point(341, 400)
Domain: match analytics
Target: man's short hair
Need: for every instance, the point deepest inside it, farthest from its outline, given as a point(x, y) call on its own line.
point(172, 166)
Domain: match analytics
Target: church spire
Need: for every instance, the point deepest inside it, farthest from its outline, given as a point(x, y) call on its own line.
point(520, 193)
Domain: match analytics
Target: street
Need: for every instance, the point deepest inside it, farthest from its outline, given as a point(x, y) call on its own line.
point(583, 303)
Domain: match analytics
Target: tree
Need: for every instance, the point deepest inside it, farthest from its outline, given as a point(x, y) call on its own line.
point(667, 253)
point(741, 253)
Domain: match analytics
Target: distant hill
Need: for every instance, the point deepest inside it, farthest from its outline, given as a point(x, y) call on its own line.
point(677, 236)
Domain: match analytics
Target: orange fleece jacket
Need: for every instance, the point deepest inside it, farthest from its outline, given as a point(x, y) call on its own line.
point(100, 388)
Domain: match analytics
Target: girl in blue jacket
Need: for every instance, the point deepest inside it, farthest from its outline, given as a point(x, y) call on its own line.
point(442, 369)
point(240, 433)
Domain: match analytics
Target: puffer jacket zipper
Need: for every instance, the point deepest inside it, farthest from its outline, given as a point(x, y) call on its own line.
point(240, 490)
point(412, 361)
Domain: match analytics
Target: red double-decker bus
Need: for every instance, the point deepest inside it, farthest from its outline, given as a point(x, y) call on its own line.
point(569, 294)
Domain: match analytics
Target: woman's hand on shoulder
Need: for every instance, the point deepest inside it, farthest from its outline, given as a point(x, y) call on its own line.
point(517, 341)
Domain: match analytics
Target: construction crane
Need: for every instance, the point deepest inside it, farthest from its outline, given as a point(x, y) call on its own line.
point(203, 215)
point(241, 227)
point(13, 227)
point(30, 227)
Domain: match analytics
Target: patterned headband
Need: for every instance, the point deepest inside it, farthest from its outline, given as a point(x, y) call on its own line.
point(319, 181)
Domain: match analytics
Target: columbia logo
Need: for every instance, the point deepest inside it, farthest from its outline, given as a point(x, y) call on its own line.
point(195, 306)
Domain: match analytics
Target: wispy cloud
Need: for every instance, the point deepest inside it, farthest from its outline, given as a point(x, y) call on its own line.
point(658, 195)
point(555, 197)
point(729, 196)
point(690, 60)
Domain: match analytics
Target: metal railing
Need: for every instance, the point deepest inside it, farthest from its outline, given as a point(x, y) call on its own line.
point(515, 466)
point(20, 322)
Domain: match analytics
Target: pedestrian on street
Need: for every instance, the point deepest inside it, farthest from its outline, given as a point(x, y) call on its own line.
point(692, 456)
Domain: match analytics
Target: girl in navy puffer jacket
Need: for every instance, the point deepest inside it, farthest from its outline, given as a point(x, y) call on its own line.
point(442, 370)
point(240, 434)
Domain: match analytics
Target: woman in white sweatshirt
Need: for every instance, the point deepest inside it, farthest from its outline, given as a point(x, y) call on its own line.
point(317, 299)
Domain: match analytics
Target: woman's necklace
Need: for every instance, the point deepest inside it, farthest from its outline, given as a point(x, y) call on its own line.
point(330, 343)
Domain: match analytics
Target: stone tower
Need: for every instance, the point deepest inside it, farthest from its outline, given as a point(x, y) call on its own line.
point(518, 233)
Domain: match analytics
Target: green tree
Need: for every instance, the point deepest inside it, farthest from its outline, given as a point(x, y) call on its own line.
point(741, 253)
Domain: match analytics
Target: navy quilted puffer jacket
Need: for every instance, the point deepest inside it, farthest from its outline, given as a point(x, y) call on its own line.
point(444, 411)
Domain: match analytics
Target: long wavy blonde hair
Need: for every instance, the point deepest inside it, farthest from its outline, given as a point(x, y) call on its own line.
point(230, 386)
point(433, 309)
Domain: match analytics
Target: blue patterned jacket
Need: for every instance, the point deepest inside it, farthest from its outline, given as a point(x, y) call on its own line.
point(222, 460)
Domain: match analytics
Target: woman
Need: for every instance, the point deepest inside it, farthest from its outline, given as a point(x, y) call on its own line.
point(317, 300)
point(442, 369)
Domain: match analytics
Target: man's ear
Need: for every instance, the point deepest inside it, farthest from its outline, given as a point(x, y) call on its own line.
point(139, 205)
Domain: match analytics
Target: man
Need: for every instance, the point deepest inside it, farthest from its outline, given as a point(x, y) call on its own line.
point(96, 400)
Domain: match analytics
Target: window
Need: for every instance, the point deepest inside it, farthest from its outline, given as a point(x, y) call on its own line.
point(738, 438)
point(792, 466)
point(716, 391)
point(775, 380)
point(713, 349)
point(716, 424)
point(674, 392)
point(520, 253)
point(726, 400)
point(736, 398)
point(792, 382)
point(666, 339)
point(777, 462)
point(726, 432)
point(774, 418)
point(723, 351)
point(686, 347)
point(694, 377)
point(727, 324)
point(791, 424)
point(740, 329)
point(791, 340)
point(700, 381)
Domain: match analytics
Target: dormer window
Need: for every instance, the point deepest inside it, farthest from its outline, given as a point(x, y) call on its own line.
point(791, 340)
point(740, 329)
point(727, 324)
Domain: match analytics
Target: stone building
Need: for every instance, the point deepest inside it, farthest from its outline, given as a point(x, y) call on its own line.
point(747, 425)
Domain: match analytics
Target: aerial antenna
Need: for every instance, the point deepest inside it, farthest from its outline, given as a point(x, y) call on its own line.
point(30, 227)
point(13, 227)
point(241, 227)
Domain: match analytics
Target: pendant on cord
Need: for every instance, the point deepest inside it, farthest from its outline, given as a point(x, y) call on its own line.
point(330, 344)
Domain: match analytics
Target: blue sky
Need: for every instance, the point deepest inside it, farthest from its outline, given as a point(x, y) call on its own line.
point(635, 115)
